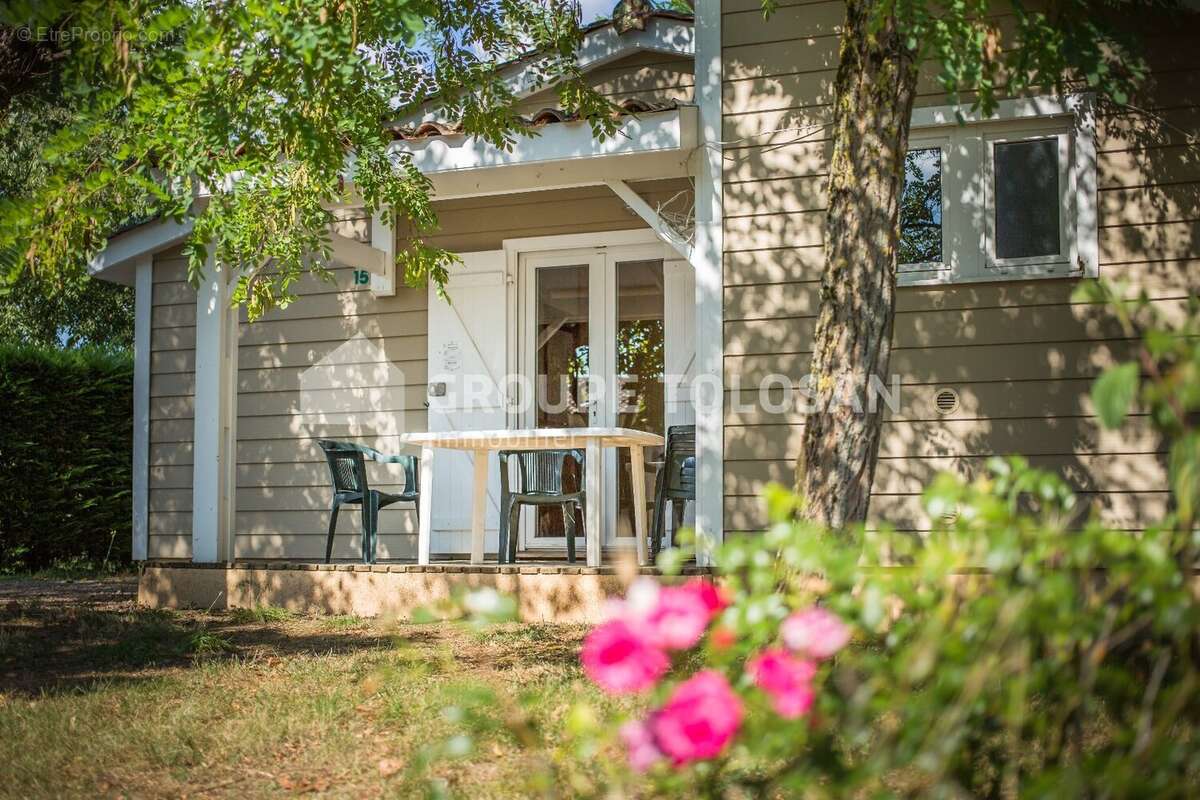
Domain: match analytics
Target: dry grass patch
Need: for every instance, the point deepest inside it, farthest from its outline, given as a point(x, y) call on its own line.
point(111, 700)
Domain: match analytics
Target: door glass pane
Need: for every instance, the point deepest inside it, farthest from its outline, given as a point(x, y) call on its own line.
point(562, 346)
point(561, 359)
point(921, 207)
point(640, 362)
point(1027, 201)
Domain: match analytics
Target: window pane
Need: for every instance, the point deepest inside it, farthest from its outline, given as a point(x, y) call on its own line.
point(562, 351)
point(921, 207)
point(641, 362)
point(562, 347)
point(1027, 204)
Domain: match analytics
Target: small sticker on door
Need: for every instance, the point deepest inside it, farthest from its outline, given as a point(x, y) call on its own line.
point(451, 357)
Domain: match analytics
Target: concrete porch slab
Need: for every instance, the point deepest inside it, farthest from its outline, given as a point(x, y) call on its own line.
point(544, 592)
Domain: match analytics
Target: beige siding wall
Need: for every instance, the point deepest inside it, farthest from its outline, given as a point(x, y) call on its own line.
point(343, 363)
point(172, 384)
point(339, 363)
point(1020, 354)
point(653, 77)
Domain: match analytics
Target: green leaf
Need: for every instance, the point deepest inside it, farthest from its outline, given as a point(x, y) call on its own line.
point(1184, 465)
point(1113, 393)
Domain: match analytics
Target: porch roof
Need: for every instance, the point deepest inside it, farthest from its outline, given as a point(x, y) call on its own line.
point(646, 146)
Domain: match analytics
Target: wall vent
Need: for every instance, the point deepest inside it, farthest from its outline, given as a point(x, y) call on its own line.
point(945, 401)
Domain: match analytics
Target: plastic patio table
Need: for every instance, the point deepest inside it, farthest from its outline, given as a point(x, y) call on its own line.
point(591, 440)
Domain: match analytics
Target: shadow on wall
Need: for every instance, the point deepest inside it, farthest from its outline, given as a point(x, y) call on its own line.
point(344, 364)
point(1019, 356)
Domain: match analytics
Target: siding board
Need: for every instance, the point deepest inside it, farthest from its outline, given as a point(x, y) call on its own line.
point(1124, 511)
point(654, 77)
point(1037, 436)
point(800, 299)
point(915, 402)
point(939, 328)
point(1125, 472)
point(954, 364)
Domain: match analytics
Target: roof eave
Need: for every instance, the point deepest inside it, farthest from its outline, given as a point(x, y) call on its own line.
point(116, 262)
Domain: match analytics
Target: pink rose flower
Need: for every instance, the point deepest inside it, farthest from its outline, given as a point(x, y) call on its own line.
point(639, 743)
point(698, 720)
point(786, 679)
point(678, 619)
point(713, 596)
point(814, 632)
point(620, 660)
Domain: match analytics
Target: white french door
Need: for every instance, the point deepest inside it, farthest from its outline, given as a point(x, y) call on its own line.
point(592, 349)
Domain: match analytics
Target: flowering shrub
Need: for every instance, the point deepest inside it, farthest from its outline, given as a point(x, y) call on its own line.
point(1021, 648)
point(701, 715)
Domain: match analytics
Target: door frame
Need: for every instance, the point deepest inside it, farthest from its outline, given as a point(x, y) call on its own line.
point(523, 257)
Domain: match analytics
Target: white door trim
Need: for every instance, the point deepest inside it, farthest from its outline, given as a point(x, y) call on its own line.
point(572, 241)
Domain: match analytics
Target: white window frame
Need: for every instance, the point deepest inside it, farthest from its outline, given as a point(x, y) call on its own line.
point(1062, 260)
point(968, 214)
point(934, 269)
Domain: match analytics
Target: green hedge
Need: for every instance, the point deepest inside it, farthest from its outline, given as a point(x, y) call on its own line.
point(66, 436)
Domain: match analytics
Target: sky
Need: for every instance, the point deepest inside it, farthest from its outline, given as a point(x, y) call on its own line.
point(596, 8)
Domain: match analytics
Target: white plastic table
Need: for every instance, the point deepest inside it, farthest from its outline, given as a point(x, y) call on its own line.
point(591, 440)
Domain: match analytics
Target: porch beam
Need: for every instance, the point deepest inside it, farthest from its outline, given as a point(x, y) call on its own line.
point(383, 239)
point(354, 253)
point(657, 224)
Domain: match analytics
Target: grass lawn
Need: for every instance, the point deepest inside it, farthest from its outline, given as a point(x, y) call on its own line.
point(99, 698)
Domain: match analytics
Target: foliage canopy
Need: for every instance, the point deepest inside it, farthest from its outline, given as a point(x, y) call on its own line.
point(253, 119)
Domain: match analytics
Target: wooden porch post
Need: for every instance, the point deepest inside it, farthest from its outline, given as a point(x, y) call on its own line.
point(707, 258)
point(213, 447)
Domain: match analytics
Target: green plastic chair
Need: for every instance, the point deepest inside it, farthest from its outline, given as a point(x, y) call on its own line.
point(676, 482)
point(348, 471)
point(540, 477)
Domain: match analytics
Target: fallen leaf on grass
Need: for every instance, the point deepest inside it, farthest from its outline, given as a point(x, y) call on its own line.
point(302, 785)
point(389, 767)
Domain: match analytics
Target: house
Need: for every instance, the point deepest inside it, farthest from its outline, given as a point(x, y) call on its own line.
point(697, 234)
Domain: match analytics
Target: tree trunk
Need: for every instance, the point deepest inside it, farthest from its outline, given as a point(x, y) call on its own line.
point(875, 84)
